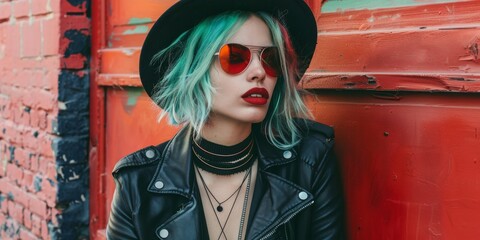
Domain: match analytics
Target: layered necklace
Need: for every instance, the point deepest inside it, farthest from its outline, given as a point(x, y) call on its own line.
point(222, 160)
point(219, 208)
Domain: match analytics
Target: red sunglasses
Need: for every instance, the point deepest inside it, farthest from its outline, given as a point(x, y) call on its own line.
point(235, 58)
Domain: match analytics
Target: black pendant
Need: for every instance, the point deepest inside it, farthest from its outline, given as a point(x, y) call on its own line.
point(219, 208)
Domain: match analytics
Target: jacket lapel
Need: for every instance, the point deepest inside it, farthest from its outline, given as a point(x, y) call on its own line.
point(183, 225)
point(175, 170)
point(278, 202)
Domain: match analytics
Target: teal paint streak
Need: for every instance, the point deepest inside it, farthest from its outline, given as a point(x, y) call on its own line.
point(138, 21)
point(136, 30)
point(133, 94)
point(348, 5)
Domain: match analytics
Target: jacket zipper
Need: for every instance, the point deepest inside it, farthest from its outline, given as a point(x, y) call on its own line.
point(288, 219)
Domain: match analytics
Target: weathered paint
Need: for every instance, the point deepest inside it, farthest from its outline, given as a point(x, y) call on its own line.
point(136, 30)
point(112, 19)
point(127, 122)
point(133, 95)
point(423, 17)
point(44, 75)
point(399, 51)
point(138, 21)
point(403, 60)
point(348, 5)
point(120, 60)
point(78, 42)
point(386, 82)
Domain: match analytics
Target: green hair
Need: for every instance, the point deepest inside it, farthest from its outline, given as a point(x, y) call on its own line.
point(186, 92)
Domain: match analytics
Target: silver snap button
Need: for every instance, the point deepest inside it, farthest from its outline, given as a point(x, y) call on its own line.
point(164, 233)
point(303, 195)
point(150, 154)
point(287, 154)
point(159, 184)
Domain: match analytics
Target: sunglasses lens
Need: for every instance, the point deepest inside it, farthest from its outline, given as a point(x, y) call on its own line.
point(271, 61)
point(234, 58)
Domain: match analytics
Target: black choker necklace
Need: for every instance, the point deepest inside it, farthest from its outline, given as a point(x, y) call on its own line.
point(223, 160)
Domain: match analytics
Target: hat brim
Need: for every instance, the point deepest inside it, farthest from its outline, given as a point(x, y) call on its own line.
point(295, 15)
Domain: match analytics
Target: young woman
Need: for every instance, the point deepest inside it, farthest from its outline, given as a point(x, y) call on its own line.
point(246, 164)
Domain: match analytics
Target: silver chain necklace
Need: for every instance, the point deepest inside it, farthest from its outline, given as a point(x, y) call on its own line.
point(244, 208)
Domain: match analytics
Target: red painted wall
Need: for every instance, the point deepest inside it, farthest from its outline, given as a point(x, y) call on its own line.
point(400, 85)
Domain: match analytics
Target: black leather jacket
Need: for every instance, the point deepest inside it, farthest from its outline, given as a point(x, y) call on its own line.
point(156, 194)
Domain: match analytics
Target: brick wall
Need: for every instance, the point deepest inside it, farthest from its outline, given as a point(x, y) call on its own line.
point(44, 83)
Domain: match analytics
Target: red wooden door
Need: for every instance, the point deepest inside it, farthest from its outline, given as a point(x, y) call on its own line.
point(123, 118)
point(399, 80)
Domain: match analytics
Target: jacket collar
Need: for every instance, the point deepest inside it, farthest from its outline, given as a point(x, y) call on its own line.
point(177, 160)
point(279, 197)
point(176, 168)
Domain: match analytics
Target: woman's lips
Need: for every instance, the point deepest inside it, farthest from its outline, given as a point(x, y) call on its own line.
point(256, 96)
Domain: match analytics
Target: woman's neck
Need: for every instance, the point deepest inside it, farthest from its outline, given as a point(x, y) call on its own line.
point(226, 133)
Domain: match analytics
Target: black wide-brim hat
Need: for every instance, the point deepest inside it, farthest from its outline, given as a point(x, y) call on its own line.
point(295, 15)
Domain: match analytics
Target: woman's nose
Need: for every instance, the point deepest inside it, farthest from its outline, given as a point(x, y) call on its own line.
point(256, 72)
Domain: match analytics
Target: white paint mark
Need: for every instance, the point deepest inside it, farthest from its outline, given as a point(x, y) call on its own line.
point(74, 177)
point(128, 51)
point(371, 19)
point(49, 7)
point(60, 172)
point(62, 105)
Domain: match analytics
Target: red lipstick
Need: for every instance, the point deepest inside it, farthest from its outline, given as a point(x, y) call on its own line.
point(256, 96)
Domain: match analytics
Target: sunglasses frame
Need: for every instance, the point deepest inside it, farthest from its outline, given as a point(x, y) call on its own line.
point(253, 49)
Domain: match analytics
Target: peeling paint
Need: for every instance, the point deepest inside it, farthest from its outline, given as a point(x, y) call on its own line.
point(474, 49)
point(60, 172)
point(136, 30)
point(133, 94)
point(138, 21)
point(74, 176)
point(371, 79)
point(128, 51)
point(62, 105)
point(52, 183)
point(12, 153)
point(79, 42)
point(344, 5)
point(37, 184)
point(76, 3)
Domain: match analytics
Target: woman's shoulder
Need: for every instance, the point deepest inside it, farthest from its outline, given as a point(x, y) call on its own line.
point(315, 131)
point(140, 159)
point(317, 141)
